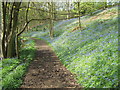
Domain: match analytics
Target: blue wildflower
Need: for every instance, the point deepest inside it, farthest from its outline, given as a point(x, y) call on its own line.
point(116, 32)
point(118, 49)
point(98, 60)
point(101, 35)
point(85, 78)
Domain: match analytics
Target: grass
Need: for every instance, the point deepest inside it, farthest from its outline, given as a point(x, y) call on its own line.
point(14, 69)
point(92, 53)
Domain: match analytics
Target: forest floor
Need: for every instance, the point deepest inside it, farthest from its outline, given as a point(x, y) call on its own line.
point(46, 70)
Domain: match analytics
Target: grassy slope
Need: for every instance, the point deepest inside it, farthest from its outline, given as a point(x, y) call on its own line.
point(92, 53)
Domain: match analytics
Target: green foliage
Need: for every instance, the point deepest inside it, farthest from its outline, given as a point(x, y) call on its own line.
point(89, 7)
point(8, 65)
point(100, 5)
point(14, 69)
point(92, 54)
point(13, 79)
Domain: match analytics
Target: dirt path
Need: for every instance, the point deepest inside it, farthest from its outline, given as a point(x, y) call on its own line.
point(46, 71)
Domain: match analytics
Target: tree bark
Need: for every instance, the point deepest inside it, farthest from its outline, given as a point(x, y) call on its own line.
point(27, 14)
point(9, 26)
point(51, 20)
point(4, 29)
point(79, 14)
point(1, 28)
point(11, 44)
point(68, 7)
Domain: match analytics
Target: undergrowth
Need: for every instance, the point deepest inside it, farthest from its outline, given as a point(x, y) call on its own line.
point(14, 69)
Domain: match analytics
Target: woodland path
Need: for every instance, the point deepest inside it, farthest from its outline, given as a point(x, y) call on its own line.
point(46, 70)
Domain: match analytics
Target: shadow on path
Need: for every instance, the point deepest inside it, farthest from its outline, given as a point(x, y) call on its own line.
point(46, 71)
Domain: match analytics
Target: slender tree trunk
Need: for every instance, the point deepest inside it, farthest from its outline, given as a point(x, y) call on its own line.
point(17, 47)
point(68, 7)
point(9, 26)
point(79, 14)
point(54, 11)
point(1, 28)
point(27, 14)
point(4, 29)
point(52, 17)
point(51, 20)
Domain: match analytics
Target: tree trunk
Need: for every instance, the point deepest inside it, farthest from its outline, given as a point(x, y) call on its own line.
point(11, 47)
point(11, 44)
point(51, 19)
point(17, 47)
point(4, 29)
point(1, 28)
point(68, 7)
point(79, 14)
point(9, 26)
point(27, 15)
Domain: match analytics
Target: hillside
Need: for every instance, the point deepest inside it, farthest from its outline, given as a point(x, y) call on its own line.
point(92, 52)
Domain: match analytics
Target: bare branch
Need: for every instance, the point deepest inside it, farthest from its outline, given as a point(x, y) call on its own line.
point(26, 24)
point(27, 12)
point(49, 12)
point(41, 20)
